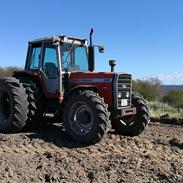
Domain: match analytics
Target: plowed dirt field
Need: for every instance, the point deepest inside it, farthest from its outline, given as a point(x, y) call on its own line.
point(49, 155)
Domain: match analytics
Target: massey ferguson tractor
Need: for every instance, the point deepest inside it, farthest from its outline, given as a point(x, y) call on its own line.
point(59, 78)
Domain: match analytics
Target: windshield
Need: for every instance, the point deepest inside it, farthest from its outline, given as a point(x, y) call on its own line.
point(74, 57)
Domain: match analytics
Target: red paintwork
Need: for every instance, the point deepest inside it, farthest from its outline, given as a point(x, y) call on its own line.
point(30, 73)
point(38, 78)
point(104, 89)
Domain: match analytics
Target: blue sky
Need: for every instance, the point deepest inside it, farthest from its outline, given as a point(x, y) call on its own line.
point(144, 36)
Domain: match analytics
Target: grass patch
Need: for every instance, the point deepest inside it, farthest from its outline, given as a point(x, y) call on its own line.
point(158, 109)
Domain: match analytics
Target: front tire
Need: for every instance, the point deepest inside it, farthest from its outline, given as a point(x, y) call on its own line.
point(86, 117)
point(135, 124)
point(13, 105)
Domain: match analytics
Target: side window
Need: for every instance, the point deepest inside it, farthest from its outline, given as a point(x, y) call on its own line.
point(34, 58)
point(81, 59)
point(50, 61)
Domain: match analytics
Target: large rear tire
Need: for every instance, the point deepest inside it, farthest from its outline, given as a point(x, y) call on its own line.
point(36, 103)
point(86, 117)
point(13, 105)
point(135, 124)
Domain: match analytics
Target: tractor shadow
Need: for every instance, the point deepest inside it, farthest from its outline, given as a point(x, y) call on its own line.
point(55, 134)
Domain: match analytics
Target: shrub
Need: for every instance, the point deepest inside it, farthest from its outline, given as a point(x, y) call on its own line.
point(174, 97)
point(8, 71)
point(151, 89)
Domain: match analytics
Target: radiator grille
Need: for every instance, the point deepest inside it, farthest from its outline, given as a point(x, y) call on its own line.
point(124, 88)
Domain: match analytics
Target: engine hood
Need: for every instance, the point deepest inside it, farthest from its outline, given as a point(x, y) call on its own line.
point(91, 77)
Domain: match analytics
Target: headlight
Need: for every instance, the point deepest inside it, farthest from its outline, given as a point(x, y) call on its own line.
point(127, 94)
point(119, 95)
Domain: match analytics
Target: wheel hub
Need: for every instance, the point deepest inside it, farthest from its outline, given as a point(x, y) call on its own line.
point(81, 118)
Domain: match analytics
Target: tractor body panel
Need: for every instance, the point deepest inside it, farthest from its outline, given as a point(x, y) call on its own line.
point(115, 88)
point(101, 80)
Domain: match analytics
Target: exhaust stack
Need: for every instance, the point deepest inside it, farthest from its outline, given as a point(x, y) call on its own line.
point(91, 53)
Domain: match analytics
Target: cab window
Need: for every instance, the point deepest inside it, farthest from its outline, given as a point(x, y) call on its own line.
point(80, 58)
point(50, 61)
point(74, 57)
point(35, 57)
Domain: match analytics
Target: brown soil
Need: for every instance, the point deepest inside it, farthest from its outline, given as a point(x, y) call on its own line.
point(166, 119)
point(49, 155)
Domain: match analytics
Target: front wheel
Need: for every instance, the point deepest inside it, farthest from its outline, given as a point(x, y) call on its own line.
point(135, 124)
point(86, 117)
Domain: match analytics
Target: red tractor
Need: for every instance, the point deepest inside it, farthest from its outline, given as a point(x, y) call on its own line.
point(59, 78)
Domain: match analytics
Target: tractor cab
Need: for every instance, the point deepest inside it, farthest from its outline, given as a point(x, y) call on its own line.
point(56, 56)
point(61, 52)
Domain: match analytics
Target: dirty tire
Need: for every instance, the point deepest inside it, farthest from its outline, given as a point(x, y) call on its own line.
point(13, 105)
point(133, 125)
point(86, 117)
point(36, 103)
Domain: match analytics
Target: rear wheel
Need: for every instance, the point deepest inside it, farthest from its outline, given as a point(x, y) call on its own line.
point(13, 105)
point(86, 117)
point(135, 124)
point(36, 103)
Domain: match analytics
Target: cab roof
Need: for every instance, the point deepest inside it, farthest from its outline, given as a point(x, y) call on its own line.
point(59, 38)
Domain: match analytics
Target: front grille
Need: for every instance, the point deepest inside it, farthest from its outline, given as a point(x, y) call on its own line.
point(124, 88)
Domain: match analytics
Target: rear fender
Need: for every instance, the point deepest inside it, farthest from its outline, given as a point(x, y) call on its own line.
point(34, 76)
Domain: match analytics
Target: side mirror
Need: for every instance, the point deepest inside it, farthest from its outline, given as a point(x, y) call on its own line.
point(101, 49)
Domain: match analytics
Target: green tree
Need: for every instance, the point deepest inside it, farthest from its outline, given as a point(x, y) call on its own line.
point(174, 97)
point(151, 89)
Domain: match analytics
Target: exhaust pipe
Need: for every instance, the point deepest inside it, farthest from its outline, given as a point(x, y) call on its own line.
point(91, 40)
point(91, 53)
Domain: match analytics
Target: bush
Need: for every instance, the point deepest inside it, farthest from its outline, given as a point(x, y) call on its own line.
point(8, 71)
point(174, 97)
point(151, 89)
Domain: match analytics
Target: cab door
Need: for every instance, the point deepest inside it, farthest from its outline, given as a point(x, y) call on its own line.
point(50, 68)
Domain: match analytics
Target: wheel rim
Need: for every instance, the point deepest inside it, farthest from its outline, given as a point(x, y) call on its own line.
point(81, 118)
point(4, 107)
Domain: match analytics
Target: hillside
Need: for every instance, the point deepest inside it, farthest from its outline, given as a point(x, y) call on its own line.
point(167, 88)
